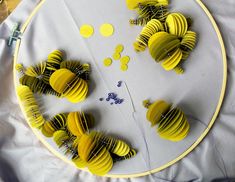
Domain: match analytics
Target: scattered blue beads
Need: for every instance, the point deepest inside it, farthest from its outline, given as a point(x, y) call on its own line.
point(113, 97)
point(119, 84)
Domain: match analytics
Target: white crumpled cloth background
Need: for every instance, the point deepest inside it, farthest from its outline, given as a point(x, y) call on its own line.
point(24, 158)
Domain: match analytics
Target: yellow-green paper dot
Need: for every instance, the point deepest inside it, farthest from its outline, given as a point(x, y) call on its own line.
point(86, 31)
point(116, 56)
point(106, 30)
point(124, 67)
point(119, 48)
point(125, 60)
point(107, 62)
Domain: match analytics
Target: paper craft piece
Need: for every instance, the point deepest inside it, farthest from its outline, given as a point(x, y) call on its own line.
point(86, 31)
point(65, 82)
point(37, 77)
point(93, 149)
point(125, 60)
point(58, 122)
point(54, 59)
point(98, 152)
point(61, 138)
point(79, 123)
point(119, 48)
point(167, 48)
point(36, 71)
point(170, 42)
point(37, 85)
point(152, 27)
point(177, 24)
point(147, 10)
point(108, 62)
point(124, 67)
point(172, 123)
point(80, 70)
point(116, 56)
point(106, 30)
point(30, 106)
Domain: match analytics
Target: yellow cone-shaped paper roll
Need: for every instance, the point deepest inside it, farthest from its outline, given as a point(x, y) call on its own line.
point(64, 81)
point(133, 4)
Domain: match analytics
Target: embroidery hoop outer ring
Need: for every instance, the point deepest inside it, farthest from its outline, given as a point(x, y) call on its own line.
point(181, 156)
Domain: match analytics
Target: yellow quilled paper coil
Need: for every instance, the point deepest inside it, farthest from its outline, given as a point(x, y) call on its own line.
point(64, 81)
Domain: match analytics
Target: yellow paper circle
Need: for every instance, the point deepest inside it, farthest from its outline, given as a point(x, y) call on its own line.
point(107, 62)
point(119, 48)
point(86, 31)
point(116, 56)
point(106, 30)
point(125, 60)
point(124, 67)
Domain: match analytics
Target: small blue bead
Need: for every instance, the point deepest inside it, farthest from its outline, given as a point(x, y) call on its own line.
point(111, 103)
point(107, 99)
point(101, 99)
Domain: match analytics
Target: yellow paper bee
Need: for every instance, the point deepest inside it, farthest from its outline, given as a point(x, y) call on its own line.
point(172, 123)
